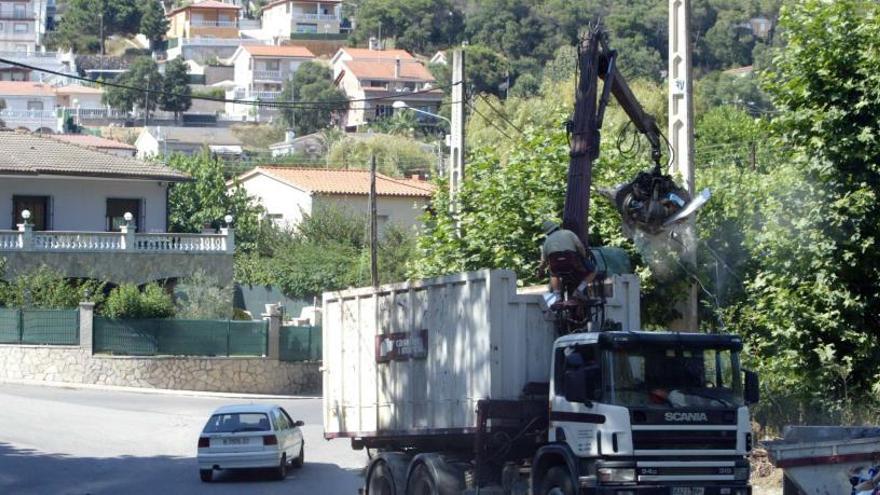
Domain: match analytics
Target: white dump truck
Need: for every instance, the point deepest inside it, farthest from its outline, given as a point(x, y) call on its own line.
point(460, 384)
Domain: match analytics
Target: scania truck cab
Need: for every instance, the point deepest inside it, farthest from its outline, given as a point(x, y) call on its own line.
point(647, 412)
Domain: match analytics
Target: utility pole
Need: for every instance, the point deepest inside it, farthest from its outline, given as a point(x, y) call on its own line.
point(681, 137)
point(374, 235)
point(456, 140)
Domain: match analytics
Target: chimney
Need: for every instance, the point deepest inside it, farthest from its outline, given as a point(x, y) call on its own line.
point(374, 43)
point(289, 136)
point(397, 68)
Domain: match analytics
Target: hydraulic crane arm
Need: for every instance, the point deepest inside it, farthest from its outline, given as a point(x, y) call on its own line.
point(649, 201)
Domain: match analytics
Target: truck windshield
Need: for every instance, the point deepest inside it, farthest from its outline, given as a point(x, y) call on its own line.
point(675, 378)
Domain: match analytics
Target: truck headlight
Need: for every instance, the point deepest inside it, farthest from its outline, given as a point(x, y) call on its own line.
point(617, 475)
point(741, 473)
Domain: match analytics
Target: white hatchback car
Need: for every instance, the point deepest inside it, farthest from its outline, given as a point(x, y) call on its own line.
point(250, 436)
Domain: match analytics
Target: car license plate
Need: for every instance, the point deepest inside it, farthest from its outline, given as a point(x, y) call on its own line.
point(688, 490)
point(235, 441)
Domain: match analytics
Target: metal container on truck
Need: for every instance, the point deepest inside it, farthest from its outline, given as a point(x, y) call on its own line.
point(415, 358)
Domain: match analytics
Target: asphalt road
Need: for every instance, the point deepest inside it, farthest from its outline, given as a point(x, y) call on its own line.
point(80, 441)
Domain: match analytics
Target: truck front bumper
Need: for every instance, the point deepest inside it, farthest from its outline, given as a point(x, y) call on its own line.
point(667, 490)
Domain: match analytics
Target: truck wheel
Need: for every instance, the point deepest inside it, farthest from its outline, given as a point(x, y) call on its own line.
point(421, 482)
point(380, 482)
point(557, 482)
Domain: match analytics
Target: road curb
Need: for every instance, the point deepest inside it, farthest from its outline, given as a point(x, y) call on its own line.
point(156, 391)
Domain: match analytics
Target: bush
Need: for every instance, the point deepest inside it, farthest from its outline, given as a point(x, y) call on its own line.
point(127, 301)
point(202, 297)
point(209, 93)
point(47, 289)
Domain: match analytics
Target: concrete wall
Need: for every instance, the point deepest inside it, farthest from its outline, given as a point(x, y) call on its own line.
point(121, 267)
point(402, 211)
point(72, 364)
point(279, 198)
point(81, 203)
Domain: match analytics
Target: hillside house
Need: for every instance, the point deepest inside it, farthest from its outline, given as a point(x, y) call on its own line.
point(393, 75)
point(289, 193)
point(260, 73)
point(285, 17)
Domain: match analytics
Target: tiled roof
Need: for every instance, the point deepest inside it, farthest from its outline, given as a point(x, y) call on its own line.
point(366, 53)
point(29, 154)
point(90, 141)
point(278, 51)
point(78, 89)
point(207, 4)
point(25, 88)
point(343, 181)
point(384, 69)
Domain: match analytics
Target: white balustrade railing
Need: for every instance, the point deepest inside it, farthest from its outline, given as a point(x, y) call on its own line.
point(205, 23)
point(27, 114)
point(316, 17)
point(77, 241)
point(268, 75)
point(198, 41)
point(180, 242)
point(126, 240)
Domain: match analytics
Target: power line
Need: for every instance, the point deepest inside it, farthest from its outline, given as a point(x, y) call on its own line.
point(501, 114)
point(489, 121)
point(274, 104)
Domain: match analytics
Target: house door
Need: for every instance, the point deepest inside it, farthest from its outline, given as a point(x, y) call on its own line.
point(116, 210)
point(37, 205)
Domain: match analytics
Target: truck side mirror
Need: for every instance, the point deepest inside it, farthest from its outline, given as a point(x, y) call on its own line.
point(752, 387)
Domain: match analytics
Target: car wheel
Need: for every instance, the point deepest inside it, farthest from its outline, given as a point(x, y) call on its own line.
point(206, 475)
point(281, 470)
point(301, 458)
point(557, 482)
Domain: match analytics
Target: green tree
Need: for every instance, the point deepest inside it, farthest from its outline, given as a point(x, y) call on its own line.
point(205, 201)
point(202, 297)
point(176, 94)
point(154, 24)
point(87, 21)
point(143, 85)
point(313, 83)
point(485, 70)
point(127, 301)
point(415, 25)
point(46, 288)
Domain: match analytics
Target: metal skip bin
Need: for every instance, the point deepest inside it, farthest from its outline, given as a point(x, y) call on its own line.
point(414, 358)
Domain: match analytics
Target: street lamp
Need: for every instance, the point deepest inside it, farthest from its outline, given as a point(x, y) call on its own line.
point(401, 105)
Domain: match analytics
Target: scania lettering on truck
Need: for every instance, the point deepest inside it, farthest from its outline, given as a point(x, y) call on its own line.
point(484, 397)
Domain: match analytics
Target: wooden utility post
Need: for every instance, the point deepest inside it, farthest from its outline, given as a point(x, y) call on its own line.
point(681, 137)
point(374, 235)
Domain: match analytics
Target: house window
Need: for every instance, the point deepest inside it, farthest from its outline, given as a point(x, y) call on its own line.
point(20, 27)
point(116, 210)
point(271, 65)
point(384, 111)
point(34, 105)
point(1, 26)
point(19, 11)
point(37, 205)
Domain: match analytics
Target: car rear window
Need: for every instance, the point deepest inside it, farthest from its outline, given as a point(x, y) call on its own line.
point(236, 422)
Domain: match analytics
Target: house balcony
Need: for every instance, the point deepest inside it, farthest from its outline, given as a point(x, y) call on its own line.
point(268, 75)
point(211, 23)
point(315, 17)
point(242, 94)
point(118, 257)
point(11, 15)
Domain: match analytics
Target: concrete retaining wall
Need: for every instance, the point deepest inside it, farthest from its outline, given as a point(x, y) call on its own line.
point(77, 364)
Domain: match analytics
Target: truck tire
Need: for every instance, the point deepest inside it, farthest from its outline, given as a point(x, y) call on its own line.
point(380, 481)
point(557, 481)
point(421, 482)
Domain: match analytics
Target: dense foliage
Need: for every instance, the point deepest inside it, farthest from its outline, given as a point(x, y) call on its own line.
point(143, 75)
point(176, 93)
point(328, 250)
point(202, 297)
point(45, 288)
point(86, 24)
point(312, 83)
point(395, 155)
point(127, 301)
point(205, 201)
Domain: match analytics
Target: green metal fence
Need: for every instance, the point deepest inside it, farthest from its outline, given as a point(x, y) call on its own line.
point(300, 343)
point(39, 326)
point(151, 337)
